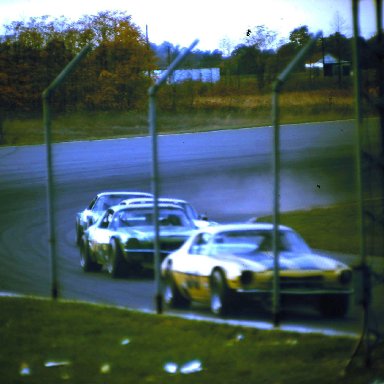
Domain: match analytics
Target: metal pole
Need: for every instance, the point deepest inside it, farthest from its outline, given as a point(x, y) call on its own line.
point(276, 171)
point(51, 199)
point(155, 192)
point(46, 96)
point(362, 269)
point(152, 91)
point(276, 203)
point(358, 131)
point(380, 81)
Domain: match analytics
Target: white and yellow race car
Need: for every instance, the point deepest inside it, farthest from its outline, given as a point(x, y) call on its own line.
point(219, 265)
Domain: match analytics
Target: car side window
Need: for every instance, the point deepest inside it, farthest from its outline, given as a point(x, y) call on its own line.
point(201, 244)
point(92, 203)
point(107, 218)
point(116, 223)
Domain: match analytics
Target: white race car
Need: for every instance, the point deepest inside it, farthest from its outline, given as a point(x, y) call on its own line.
point(223, 264)
point(99, 204)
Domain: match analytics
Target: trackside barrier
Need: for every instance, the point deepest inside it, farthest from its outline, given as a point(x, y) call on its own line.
point(276, 169)
point(46, 96)
point(152, 91)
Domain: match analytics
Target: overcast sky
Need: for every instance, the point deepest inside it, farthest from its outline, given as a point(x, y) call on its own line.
point(181, 22)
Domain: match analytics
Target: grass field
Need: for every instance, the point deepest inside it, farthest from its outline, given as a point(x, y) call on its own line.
point(205, 113)
point(334, 228)
point(45, 341)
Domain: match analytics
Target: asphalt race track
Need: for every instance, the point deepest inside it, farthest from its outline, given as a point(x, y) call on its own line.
point(226, 174)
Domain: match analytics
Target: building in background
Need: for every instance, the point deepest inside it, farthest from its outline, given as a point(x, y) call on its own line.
point(205, 75)
point(330, 66)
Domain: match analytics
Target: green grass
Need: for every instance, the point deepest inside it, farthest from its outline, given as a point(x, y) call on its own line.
point(203, 114)
point(335, 228)
point(89, 339)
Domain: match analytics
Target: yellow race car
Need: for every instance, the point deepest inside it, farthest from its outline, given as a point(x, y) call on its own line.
point(219, 265)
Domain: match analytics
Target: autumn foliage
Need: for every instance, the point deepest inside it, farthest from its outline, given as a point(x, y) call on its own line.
point(112, 77)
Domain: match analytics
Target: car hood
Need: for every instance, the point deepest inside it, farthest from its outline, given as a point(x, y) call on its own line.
point(148, 233)
point(287, 261)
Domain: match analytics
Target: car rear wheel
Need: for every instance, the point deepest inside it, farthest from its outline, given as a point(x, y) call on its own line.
point(86, 262)
point(171, 294)
point(221, 295)
point(334, 305)
point(116, 265)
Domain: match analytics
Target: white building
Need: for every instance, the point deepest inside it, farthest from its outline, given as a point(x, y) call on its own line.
point(206, 75)
point(330, 66)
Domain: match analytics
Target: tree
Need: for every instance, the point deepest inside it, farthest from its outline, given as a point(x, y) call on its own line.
point(226, 46)
point(121, 61)
point(299, 37)
point(114, 74)
point(261, 38)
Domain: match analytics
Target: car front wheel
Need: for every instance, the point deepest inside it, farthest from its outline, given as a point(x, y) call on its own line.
point(171, 294)
point(79, 233)
point(221, 296)
point(86, 262)
point(116, 265)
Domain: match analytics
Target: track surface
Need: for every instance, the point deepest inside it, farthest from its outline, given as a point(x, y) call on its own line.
point(226, 174)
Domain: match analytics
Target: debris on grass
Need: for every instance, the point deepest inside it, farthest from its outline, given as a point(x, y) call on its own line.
point(125, 341)
point(171, 367)
point(51, 364)
point(192, 366)
point(105, 368)
point(24, 369)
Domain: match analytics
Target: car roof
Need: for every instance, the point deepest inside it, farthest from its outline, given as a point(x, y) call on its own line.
point(121, 207)
point(124, 193)
point(242, 227)
point(172, 199)
point(150, 199)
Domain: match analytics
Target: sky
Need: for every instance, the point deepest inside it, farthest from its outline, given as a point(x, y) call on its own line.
point(210, 21)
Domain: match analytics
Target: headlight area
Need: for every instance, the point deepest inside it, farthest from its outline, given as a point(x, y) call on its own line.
point(338, 278)
point(345, 276)
point(246, 278)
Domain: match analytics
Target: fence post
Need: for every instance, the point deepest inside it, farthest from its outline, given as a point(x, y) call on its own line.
point(152, 91)
point(46, 96)
point(276, 169)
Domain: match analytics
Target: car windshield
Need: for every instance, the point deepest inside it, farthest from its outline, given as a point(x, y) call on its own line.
point(253, 241)
point(144, 217)
point(191, 212)
point(106, 201)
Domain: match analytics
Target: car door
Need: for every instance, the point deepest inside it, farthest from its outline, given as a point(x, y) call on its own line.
point(195, 267)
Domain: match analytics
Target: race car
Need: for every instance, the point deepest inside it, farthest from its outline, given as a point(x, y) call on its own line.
point(98, 206)
point(200, 220)
point(123, 239)
point(230, 264)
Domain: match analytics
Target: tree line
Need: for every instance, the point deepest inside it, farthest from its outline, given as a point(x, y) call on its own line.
point(116, 74)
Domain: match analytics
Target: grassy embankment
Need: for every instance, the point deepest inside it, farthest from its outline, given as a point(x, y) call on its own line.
point(93, 344)
point(334, 228)
point(206, 113)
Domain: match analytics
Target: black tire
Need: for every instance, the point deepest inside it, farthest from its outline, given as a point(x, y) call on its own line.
point(222, 298)
point(116, 265)
point(334, 305)
point(171, 294)
point(79, 234)
point(86, 262)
